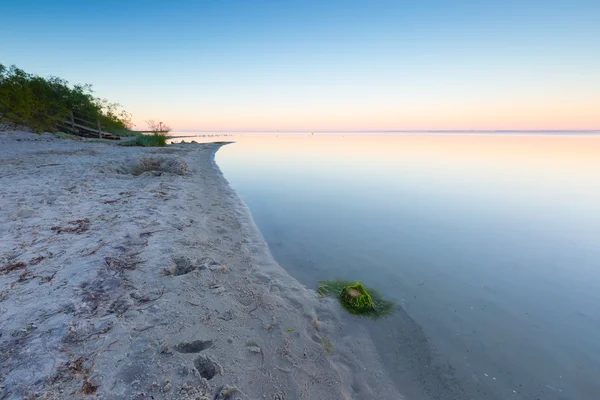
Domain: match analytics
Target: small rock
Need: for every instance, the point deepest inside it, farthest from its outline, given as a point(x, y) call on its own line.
point(186, 387)
point(223, 269)
point(227, 316)
point(219, 290)
point(254, 349)
point(23, 213)
point(165, 349)
point(167, 385)
point(215, 267)
point(95, 380)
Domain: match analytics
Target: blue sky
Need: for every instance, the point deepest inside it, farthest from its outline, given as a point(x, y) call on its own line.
point(322, 65)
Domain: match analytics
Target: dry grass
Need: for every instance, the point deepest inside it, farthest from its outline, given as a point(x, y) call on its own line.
point(12, 267)
point(223, 269)
point(88, 388)
point(156, 165)
point(79, 367)
point(126, 263)
point(37, 260)
point(76, 226)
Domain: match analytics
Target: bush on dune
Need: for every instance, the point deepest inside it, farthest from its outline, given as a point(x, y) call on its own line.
point(41, 103)
point(154, 140)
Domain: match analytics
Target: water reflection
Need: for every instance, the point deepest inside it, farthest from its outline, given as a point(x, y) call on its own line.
point(489, 242)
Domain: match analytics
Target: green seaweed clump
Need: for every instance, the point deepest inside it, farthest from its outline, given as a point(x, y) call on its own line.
point(357, 299)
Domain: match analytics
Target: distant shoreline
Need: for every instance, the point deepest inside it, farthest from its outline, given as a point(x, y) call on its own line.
point(399, 132)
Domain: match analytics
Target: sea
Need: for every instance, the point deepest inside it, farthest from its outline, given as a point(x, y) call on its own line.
point(487, 242)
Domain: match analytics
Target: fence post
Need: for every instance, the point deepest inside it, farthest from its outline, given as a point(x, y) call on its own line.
point(72, 120)
point(99, 129)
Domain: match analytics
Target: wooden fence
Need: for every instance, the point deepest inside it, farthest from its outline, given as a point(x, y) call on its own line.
point(84, 125)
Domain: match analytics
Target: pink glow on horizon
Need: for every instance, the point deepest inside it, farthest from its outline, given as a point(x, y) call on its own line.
point(537, 116)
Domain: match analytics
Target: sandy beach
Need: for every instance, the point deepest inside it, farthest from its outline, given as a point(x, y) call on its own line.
point(137, 273)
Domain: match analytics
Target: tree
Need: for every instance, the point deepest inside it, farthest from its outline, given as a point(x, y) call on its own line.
point(41, 103)
point(157, 126)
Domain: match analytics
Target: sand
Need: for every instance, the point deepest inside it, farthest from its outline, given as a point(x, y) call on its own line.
point(117, 283)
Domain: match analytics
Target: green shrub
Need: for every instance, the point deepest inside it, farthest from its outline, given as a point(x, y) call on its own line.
point(42, 103)
point(357, 299)
point(154, 140)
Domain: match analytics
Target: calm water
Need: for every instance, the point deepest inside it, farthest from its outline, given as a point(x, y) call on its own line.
point(489, 243)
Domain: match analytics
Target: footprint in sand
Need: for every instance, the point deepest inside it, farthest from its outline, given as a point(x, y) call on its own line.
point(182, 266)
point(207, 367)
point(195, 346)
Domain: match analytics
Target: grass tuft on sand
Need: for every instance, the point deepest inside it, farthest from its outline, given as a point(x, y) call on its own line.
point(357, 299)
point(154, 140)
point(156, 166)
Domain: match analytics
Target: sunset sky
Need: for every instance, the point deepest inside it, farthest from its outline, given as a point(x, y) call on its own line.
point(322, 65)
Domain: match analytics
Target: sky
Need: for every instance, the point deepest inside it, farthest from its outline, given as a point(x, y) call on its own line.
point(322, 65)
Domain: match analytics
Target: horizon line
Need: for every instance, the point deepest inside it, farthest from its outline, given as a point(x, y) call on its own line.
point(397, 131)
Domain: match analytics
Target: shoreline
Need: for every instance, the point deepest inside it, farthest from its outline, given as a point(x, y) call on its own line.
point(132, 286)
